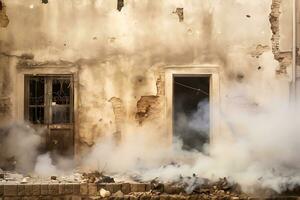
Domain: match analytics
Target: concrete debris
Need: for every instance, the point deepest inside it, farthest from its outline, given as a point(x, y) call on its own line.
point(118, 194)
point(97, 177)
point(24, 180)
point(104, 193)
point(179, 12)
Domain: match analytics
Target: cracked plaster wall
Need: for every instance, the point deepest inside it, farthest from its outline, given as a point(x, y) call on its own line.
point(120, 55)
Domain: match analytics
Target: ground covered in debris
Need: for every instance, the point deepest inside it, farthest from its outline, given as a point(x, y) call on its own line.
point(96, 185)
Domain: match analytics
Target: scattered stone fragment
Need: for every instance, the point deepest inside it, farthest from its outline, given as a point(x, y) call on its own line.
point(53, 178)
point(104, 193)
point(118, 194)
point(24, 180)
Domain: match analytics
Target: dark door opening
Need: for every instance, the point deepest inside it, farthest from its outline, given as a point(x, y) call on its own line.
point(191, 123)
point(49, 104)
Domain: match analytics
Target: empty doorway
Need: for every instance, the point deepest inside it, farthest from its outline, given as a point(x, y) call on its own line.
point(191, 111)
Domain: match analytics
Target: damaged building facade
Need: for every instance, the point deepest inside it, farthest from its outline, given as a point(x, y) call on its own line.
point(85, 69)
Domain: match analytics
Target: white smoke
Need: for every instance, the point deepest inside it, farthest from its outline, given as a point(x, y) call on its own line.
point(19, 146)
point(263, 150)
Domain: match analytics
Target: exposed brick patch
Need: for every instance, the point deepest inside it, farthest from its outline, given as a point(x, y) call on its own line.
point(284, 58)
point(148, 107)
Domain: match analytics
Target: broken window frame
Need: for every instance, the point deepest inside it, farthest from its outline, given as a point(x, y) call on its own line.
point(48, 99)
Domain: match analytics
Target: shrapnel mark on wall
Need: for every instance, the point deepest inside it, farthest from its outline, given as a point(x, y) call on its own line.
point(119, 112)
point(284, 58)
point(179, 12)
point(4, 21)
point(259, 50)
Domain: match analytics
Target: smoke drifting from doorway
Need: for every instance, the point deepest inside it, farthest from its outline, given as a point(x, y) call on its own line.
point(262, 151)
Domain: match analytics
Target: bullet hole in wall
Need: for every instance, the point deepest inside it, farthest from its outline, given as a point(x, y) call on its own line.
point(44, 1)
point(179, 12)
point(240, 77)
point(259, 68)
point(120, 5)
point(248, 16)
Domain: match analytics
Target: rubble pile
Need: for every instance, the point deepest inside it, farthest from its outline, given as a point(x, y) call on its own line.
point(96, 185)
point(97, 177)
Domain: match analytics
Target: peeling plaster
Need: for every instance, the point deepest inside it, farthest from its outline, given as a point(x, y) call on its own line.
point(259, 50)
point(4, 21)
point(120, 113)
point(284, 58)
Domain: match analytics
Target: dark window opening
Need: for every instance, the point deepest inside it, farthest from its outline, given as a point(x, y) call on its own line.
point(61, 90)
point(191, 111)
point(36, 100)
point(48, 99)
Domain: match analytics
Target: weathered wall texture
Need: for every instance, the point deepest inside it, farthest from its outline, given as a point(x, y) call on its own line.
point(120, 55)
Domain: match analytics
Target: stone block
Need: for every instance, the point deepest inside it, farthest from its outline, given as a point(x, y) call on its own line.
point(44, 189)
point(138, 187)
point(113, 187)
point(125, 188)
point(53, 189)
point(21, 190)
point(68, 189)
point(76, 189)
point(83, 189)
point(92, 189)
point(76, 198)
point(36, 189)
point(1, 190)
point(30, 198)
point(12, 198)
point(10, 190)
point(28, 190)
point(46, 198)
point(61, 189)
point(173, 189)
point(147, 187)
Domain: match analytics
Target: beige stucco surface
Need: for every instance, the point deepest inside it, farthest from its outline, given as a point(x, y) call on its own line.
point(119, 58)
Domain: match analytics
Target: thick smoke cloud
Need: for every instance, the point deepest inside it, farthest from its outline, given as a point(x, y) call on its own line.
point(19, 147)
